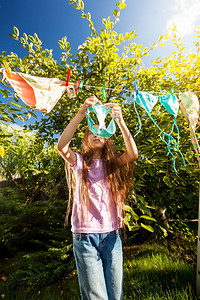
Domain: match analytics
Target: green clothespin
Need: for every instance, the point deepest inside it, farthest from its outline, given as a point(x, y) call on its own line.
point(104, 92)
point(81, 86)
point(172, 91)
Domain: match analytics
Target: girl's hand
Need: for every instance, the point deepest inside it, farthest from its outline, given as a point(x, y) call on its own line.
point(89, 102)
point(116, 110)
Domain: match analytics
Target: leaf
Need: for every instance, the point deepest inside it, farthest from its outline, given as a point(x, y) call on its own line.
point(25, 37)
point(21, 118)
point(115, 13)
point(81, 4)
point(104, 21)
point(5, 93)
point(16, 31)
point(32, 114)
point(18, 105)
point(2, 151)
point(13, 36)
point(147, 227)
point(31, 38)
point(164, 231)
point(160, 38)
point(36, 37)
point(6, 135)
point(88, 16)
point(148, 218)
point(122, 5)
point(130, 210)
point(7, 118)
point(135, 227)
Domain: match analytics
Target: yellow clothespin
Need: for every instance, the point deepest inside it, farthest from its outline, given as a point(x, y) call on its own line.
point(8, 71)
point(119, 89)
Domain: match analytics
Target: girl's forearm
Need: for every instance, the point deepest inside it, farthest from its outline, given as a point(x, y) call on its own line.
point(69, 131)
point(131, 148)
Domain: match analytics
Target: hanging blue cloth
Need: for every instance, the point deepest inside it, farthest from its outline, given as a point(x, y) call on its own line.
point(146, 101)
point(170, 103)
point(101, 112)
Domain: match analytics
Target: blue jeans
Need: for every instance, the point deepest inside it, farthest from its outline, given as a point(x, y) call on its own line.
point(99, 262)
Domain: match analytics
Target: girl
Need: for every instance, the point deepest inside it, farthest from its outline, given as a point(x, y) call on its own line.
point(97, 207)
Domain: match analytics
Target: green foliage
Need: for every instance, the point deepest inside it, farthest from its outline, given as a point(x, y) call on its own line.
point(113, 59)
point(34, 235)
point(40, 167)
point(133, 221)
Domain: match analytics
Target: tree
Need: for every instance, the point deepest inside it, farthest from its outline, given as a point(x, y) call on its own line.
point(112, 59)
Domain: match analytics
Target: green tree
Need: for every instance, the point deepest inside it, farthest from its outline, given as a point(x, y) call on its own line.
point(113, 59)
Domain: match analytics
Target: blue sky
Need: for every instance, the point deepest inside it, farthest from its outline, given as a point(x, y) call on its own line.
point(54, 19)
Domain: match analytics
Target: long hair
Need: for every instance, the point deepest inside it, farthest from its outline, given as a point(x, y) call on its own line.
point(119, 179)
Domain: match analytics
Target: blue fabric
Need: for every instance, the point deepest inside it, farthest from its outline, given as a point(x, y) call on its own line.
point(146, 101)
point(99, 262)
point(101, 112)
point(170, 103)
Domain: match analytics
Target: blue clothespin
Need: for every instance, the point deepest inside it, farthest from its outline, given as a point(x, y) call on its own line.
point(135, 87)
point(122, 90)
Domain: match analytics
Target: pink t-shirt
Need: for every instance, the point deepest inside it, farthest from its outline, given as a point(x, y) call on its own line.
point(99, 219)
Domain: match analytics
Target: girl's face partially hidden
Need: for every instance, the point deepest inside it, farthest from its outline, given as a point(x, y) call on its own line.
point(95, 142)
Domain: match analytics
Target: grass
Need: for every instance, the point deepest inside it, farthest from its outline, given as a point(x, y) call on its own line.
point(152, 271)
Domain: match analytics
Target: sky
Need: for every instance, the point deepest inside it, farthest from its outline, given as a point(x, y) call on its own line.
point(54, 19)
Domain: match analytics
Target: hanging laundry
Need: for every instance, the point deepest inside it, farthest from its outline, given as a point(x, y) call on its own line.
point(170, 102)
point(39, 92)
point(146, 101)
point(190, 108)
point(101, 112)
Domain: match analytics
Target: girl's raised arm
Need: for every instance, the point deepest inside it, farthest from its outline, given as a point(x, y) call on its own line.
point(68, 133)
point(131, 152)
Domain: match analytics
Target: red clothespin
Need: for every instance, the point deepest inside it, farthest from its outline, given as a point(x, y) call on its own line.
point(77, 86)
point(8, 71)
point(68, 76)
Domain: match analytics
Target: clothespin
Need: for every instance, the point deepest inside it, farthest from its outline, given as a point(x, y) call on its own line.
point(104, 92)
point(135, 87)
point(81, 86)
point(121, 90)
point(68, 76)
point(77, 85)
point(172, 91)
point(8, 71)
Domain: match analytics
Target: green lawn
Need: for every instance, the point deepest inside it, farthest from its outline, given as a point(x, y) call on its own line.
point(151, 271)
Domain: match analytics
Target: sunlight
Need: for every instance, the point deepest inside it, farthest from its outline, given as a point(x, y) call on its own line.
point(186, 14)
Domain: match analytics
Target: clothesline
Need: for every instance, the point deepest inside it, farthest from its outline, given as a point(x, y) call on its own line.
point(132, 91)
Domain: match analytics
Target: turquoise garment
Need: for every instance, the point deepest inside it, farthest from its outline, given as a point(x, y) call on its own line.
point(101, 112)
point(170, 103)
point(146, 101)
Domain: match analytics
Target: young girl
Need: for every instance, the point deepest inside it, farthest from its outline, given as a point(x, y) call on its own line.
point(97, 207)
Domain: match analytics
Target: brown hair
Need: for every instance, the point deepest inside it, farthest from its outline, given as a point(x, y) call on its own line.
point(119, 179)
